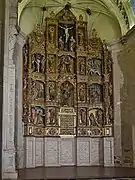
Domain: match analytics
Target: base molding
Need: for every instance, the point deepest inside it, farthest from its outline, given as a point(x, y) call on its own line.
point(73, 172)
point(10, 176)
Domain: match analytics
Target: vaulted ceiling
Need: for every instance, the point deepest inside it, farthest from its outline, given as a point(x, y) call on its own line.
point(111, 18)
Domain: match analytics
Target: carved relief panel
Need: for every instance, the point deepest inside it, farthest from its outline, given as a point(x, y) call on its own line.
point(66, 65)
point(94, 67)
point(67, 80)
point(95, 94)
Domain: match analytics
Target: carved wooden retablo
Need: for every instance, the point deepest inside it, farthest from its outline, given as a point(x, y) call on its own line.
point(67, 80)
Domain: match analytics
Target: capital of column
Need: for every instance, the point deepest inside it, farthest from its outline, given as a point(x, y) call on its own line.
point(21, 38)
point(115, 46)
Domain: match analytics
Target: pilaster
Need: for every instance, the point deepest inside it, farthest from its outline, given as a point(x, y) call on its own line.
point(117, 84)
point(19, 129)
point(8, 119)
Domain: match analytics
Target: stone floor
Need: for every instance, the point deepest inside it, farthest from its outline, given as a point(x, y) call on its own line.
point(71, 173)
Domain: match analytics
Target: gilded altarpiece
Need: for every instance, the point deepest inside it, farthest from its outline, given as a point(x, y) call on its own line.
point(67, 80)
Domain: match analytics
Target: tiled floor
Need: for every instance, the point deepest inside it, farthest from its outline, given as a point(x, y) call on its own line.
point(75, 173)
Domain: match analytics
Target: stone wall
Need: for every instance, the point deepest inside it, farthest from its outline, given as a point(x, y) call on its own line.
point(8, 109)
point(126, 60)
point(2, 9)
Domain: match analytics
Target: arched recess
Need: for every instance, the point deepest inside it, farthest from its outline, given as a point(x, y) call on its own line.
point(72, 62)
point(33, 14)
point(108, 8)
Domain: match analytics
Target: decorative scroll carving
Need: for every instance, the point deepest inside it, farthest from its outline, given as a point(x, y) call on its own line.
point(94, 67)
point(95, 46)
point(36, 40)
point(67, 80)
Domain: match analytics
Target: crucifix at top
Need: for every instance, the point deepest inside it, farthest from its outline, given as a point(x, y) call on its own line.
point(66, 32)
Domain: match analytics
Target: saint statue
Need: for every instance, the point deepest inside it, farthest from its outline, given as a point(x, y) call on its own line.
point(67, 94)
point(72, 44)
point(51, 63)
point(52, 92)
point(81, 38)
point(34, 115)
point(82, 93)
point(99, 116)
point(51, 34)
point(92, 120)
point(52, 116)
point(94, 33)
point(61, 43)
point(82, 116)
point(82, 66)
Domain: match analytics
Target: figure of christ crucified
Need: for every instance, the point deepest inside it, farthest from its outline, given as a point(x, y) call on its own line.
point(66, 29)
